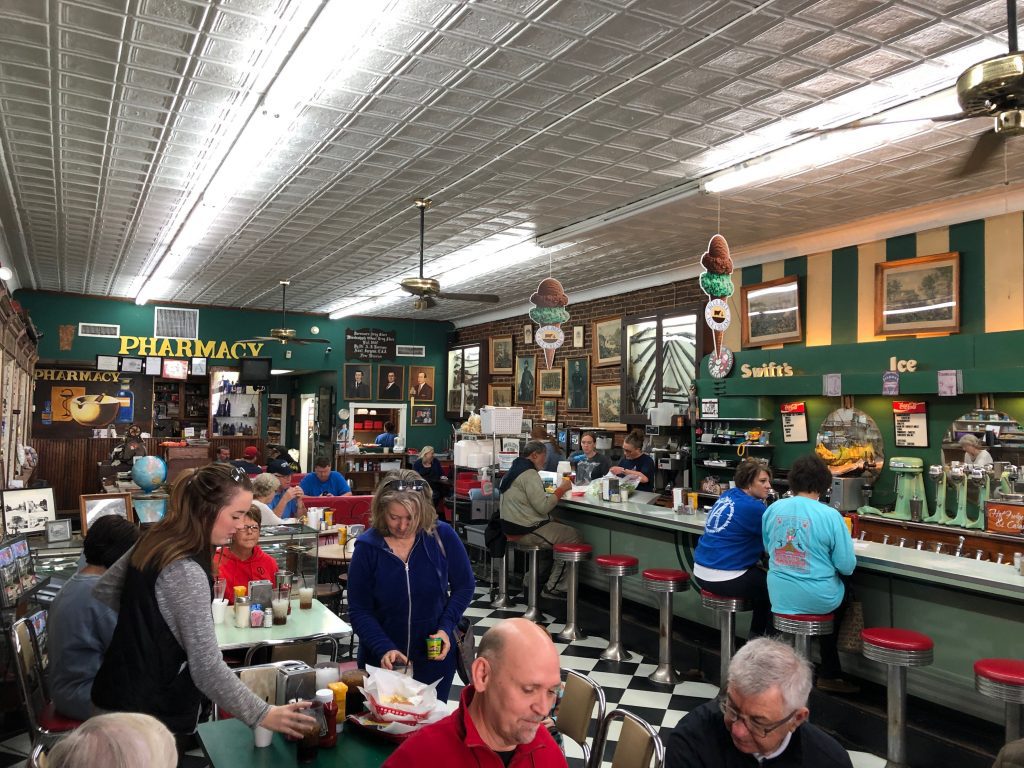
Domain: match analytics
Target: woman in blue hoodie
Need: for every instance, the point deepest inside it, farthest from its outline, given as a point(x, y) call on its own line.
point(727, 560)
point(410, 579)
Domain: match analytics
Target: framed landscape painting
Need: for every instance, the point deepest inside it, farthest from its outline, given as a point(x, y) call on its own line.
point(607, 341)
point(919, 295)
point(499, 396)
point(607, 399)
point(771, 312)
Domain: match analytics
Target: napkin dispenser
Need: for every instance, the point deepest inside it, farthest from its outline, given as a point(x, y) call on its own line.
point(261, 591)
point(295, 680)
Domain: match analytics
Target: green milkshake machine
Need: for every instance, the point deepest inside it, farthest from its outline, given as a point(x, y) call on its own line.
point(910, 498)
point(938, 474)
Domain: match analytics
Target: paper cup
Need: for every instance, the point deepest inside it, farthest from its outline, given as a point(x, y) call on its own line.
point(219, 608)
point(262, 736)
point(313, 517)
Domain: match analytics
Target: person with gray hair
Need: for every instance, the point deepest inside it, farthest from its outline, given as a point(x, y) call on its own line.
point(526, 513)
point(116, 740)
point(264, 487)
point(974, 454)
point(760, 718)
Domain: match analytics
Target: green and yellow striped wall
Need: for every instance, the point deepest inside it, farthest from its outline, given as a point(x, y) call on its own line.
point(837, 293)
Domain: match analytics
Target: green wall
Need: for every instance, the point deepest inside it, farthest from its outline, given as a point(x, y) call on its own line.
point(50, 310)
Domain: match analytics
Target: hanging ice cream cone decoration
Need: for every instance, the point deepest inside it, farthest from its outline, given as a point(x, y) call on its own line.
point(716, 282)
point(549, 313)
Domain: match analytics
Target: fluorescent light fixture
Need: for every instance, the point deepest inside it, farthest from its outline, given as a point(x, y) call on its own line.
point(279, 371)
point(574, 231)
point(5, 273)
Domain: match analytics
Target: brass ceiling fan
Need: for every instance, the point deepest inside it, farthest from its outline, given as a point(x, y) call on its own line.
point(427, 289)
point(993, 88)
point(284, 334)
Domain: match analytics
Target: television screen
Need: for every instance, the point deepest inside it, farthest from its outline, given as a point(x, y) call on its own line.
point(561, 437)
point(254, 370)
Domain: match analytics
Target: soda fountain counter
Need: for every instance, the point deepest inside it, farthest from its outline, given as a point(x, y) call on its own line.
point(970, 608)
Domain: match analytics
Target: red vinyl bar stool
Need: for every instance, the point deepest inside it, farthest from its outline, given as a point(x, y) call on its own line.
point(572, 555)
point(804, 626)
point(725, 609)
point(615, 567)
point(1003, 679)
point(897, 649)
point(663, 582)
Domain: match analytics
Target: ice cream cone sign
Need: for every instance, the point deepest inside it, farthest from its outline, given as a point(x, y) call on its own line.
point(549, 302)
point(716, 282)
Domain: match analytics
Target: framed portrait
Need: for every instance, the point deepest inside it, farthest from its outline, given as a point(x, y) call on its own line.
point(421, 383)
point(526, 379)
point(357, 381)
point(577, 384)
point(28, 510)
point(550, 382)
point(93, 506)
point(548, 409)
point(499, 396)
point(501, 354)
point(424, 415)
point(771, 312)
point(58, 531)
point(607, 399)
point(390, 382)
point(919, 295)
point(107, 362)
point(131, 364)
point(527, 426)
point(198, 366)
point(527, 333)
point(608, 341)
point(577, 337)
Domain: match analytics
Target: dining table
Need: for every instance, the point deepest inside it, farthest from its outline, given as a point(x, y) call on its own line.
point(301, 625)
point(229, 744)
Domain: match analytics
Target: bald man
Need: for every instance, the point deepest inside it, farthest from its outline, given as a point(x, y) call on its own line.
point(516, 677)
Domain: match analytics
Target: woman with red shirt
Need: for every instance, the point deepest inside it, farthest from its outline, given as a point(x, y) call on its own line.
point(244, 561)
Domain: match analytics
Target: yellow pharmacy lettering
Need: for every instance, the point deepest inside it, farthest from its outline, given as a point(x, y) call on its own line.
point(144, 345)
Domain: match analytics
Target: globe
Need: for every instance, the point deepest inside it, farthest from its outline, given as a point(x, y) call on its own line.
point(148, 472)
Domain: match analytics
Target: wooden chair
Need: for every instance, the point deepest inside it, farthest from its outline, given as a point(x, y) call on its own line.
point(637, 746)
point(576, 709)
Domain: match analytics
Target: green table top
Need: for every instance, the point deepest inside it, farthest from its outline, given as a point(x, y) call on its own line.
point(319, 620)
point(229, 744)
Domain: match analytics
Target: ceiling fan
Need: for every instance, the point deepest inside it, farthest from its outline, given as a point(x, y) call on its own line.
point(993, 88)
point(427, 289)
point(284, 334)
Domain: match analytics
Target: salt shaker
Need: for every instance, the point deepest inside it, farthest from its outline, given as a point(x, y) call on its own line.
point(242, 612)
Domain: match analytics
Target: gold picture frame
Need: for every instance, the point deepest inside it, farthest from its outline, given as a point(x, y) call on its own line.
point(919, 295)
point(770, 312)
point(501, 351)
point(499, 395)
point(606, 401)
point(549, 381)
point(93, 506)
point(607, 340)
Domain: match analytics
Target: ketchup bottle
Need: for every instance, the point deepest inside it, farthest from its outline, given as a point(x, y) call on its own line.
point(329, 737)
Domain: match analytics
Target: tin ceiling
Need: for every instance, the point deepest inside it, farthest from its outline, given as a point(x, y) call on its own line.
point(518, 117)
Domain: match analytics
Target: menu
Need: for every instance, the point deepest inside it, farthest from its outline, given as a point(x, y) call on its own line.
point(911, 424)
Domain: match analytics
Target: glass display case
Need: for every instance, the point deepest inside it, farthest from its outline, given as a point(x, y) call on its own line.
point(234, 407)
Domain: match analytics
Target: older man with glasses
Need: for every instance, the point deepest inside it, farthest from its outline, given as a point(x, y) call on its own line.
point(759, 720)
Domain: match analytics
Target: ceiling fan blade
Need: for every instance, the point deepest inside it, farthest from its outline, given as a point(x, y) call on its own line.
point(870, 121)
point(485, 298)
point(258, 338)
point(985, 147)
point(311, 341)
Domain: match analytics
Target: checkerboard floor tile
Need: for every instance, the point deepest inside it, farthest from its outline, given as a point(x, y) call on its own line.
point(625, 683)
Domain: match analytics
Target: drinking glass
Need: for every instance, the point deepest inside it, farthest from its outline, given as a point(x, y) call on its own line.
point(279, 605)
point(220, 586)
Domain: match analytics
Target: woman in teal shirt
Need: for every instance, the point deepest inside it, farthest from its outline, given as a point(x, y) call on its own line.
point(809, 548)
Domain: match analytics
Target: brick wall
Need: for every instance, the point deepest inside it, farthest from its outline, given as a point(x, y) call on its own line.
point(676, 294)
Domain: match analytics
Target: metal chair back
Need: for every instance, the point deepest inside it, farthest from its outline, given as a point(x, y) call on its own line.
point(45, 725)
point(638, 746)
point(297, 650)
point(576, 709)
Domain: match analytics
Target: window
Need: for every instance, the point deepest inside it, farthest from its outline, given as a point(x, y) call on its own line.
point(662, 355)
point(463, 380)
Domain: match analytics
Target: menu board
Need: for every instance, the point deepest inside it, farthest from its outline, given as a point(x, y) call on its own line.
point(369, 344)
point(911, 424)
point(794, 422)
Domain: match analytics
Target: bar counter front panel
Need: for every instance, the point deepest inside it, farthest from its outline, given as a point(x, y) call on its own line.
point(970, 609)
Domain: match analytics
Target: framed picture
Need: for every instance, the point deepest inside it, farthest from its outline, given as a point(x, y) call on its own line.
point(107, 362)
point(198, 366)
point(93, 506)
point(424, 415)
point(577, 337)
point(919, 295)
point(498, 395)
point(771, 312)
point(501, 354)
point(577, 393)
point(421, 383)
point(526, 379)
point(131, 364)
point(548, 409)
point(28, 510)
point(58, 531)
point(607, 399)
point(550, 382)
point(154, 366)
point(527, 426)
point(527, 333)
point(608, 341)
point(357, 381)
point(175, 369)
point(390, 382)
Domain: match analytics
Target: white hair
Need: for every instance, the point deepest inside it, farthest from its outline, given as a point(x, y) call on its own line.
point(116, 740)
point(763, 664)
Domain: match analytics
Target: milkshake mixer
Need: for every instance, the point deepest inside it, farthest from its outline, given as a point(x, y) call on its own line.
point(939, 475)
point(958, 479)
point(909, 488)
point(980, 478)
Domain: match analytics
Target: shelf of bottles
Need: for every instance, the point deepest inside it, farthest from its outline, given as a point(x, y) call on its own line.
point(234, 407)
point(276, 418)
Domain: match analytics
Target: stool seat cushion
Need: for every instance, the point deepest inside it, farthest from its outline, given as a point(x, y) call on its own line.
point(616, 560)
point(52, 720)
point(666, 574)
point(807, 616)
point(897, 639)
point(1006, 671)
point(573, 548)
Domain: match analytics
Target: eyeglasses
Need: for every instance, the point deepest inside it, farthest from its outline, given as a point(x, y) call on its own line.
point(757, 728)
point(250, 528)
point(407, 485)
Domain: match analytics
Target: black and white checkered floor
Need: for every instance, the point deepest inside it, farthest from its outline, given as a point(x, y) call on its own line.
point(625, 684)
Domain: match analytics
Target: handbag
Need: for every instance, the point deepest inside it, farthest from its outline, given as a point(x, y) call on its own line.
point(850, 640)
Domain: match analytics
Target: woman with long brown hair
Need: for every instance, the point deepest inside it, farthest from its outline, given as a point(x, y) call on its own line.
point(164, 656)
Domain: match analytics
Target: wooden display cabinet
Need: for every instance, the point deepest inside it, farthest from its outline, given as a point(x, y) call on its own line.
point(363, 470)
point(276, 418)
point(180, 404)
point(235, 409)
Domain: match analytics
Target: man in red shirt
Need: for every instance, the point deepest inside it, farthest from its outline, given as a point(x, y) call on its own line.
point(499, 719)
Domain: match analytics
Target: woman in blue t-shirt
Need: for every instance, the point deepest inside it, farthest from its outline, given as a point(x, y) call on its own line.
point(635, 463)
point(727, 560)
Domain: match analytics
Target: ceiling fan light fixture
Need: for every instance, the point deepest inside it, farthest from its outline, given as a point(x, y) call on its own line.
point(6, 273)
